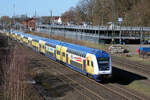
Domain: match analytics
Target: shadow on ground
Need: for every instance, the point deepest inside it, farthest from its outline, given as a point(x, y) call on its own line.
point(124, 77)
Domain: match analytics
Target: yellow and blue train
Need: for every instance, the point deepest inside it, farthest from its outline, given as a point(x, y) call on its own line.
point(91, 62)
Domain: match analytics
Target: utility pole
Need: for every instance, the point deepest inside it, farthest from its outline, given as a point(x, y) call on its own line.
point(35, 28)
point(35, 13)
point(51, 21)
point(51, 16)
point(103, 6)
point(141, 35)
point(14, 14)
point(14, 9)
point(113, 20)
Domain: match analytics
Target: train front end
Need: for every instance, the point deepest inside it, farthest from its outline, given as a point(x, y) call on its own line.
point(103, 69)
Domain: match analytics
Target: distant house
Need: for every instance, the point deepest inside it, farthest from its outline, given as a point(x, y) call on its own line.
point(51, 20)
point(30, 24)
point(57, 20)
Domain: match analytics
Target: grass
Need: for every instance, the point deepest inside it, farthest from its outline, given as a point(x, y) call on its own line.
point(97, 46)
point(140, 87)
point(49, 87)
point(138, 59)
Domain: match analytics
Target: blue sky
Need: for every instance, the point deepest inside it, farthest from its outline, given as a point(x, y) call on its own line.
point(42, 7)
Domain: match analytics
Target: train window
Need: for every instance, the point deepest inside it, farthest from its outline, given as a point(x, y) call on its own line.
point(103, 59)
point(69, 50)
point(58, 52)
point(63, 54)
point(92, 63)
point(82, 55)
point(79, 54)
point(88, 62)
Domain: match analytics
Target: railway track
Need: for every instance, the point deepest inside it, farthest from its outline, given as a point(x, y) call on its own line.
point(38, 92)
point(81, 89)
point(129, 64)
point(110, 90)
point(87, 87)
point(109, 87)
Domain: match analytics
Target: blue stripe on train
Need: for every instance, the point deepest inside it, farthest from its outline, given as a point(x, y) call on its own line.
point(77, 69)
point(96, 77)
point(51, 57)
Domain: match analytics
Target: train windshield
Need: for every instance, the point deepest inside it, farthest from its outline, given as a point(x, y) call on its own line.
point(103, 64)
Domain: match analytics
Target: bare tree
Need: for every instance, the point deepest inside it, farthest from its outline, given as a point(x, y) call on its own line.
point(5, 21)
point(14, 70)
point(133, 12)
point(69, 16)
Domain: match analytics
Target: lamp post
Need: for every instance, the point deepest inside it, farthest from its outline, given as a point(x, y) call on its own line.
point(51, 22)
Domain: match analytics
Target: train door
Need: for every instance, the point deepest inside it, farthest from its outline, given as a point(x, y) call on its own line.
point(89, 65)
point(84, 66)
point(58, 49)
point(15, 36)
point(63, 54)
point(18, 37)
point(42, 47)
point(67, 58)
point(30, 42)
point(21, 38)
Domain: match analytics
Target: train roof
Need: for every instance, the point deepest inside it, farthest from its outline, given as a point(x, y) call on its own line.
point(79, 48)
point(85, 49)
point(49, 41)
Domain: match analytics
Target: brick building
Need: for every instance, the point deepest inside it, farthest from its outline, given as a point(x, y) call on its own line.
point(30, 24)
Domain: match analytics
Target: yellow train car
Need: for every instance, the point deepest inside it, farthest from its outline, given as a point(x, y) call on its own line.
point(42, 46)
point(25, 40)
point(88, 61)
point(19, 37)
point(35, 45)
point(50, 50)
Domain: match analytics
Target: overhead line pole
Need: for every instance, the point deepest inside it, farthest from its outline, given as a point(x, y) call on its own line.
point(113, 19)
point(51, 14)
point(14, 13)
